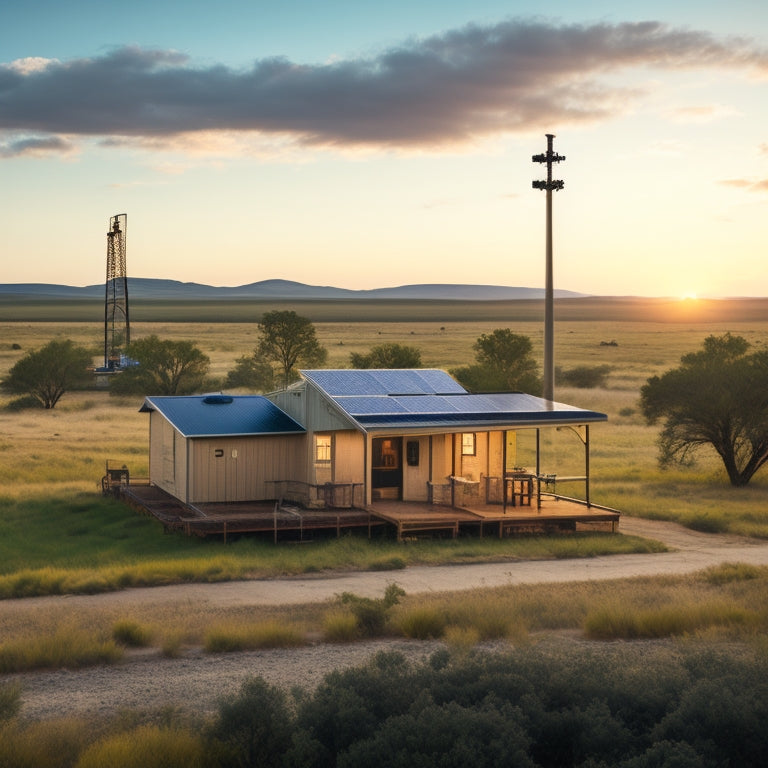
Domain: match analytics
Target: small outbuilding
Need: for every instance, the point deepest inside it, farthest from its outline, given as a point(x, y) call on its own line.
point(211, 448)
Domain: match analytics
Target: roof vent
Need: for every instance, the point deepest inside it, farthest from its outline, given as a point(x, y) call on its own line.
point(218, 399)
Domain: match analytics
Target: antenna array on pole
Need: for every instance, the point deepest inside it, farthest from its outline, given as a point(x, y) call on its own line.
point(549, 157)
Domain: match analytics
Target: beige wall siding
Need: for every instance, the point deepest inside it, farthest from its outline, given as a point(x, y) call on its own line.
point(321, 414)
point(167, 457)
point(441, 458)
point(244, 467)
point(348, 464)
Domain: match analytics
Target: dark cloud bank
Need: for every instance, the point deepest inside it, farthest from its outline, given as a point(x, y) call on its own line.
point(452, 87)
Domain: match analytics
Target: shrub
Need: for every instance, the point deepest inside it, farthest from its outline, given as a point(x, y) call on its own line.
point(725, 573)
point(131, 633)
point(46, 744)
point(584, 376)
point(340, 626)
point(67, 647)
point(10, 700)
point(240, 637)
point(147, 746)
point(371, 614)
point(422, 623)
point(254, 729)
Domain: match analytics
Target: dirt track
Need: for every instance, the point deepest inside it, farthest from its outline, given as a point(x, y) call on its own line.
point(146, 680)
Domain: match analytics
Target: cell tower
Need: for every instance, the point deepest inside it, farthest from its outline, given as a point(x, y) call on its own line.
point(117, 327)
point(549, 185)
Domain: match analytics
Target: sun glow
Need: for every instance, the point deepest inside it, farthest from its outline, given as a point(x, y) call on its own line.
point(689, 297)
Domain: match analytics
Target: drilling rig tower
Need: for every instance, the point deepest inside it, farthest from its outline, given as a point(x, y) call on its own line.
point(117, 327)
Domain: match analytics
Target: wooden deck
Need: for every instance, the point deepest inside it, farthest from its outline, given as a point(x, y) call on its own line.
point(281, 520)
point(480, 519)
point(288, 522)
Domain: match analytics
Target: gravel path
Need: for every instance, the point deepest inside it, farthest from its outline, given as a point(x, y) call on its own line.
point(145, 680)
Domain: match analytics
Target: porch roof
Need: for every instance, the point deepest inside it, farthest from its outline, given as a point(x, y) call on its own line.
point(222, 415)
point(431, 399)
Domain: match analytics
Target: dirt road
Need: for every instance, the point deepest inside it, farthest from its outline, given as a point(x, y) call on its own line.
point(146, 681)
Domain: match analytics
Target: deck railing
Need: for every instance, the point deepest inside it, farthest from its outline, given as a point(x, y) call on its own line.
point(330, 495)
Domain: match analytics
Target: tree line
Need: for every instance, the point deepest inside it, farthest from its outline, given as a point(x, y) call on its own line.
point(716, 398)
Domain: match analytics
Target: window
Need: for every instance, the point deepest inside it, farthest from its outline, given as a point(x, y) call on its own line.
point(468, 444)
point(322, 448)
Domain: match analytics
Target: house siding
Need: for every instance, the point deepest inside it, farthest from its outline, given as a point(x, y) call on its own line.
point(241, 469)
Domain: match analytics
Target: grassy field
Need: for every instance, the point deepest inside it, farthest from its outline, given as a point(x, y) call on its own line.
point(51, 461)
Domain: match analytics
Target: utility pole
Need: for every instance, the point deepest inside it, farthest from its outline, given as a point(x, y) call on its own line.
point(549, 157)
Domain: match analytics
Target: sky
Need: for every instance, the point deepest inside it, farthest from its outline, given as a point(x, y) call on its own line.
point(368, 144)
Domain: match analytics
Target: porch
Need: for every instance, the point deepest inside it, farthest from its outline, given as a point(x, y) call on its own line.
point(282, 520)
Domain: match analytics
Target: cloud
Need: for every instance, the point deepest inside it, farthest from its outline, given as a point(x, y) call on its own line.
point(36, 147)
point(452, 88)
point(750, 185)
point(701, 114)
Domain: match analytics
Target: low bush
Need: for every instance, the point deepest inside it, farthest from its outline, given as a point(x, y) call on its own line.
point(340, 626)
point(131, 633)
point(67, 647)
point(45, 744)
point(422, 622)
point(624, 622)
point(371, 614)
point(10, 700)
point(583, 376)
point(248, 637)
point(147, 746)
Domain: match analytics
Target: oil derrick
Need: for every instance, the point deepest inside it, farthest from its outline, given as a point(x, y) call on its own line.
point(117, 328)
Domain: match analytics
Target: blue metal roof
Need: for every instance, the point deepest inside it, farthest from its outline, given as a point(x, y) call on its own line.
point(419, 399)
point(223, 415)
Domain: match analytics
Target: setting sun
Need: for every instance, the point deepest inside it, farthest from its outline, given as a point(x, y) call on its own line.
point(689, 297)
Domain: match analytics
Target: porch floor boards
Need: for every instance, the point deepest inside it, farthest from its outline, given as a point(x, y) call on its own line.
point(554, 514)
point(409, 518)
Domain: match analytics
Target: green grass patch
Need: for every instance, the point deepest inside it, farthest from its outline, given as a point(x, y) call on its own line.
point(131, 633)
point(615, 622)
point(147, 746)
point(226, 638)
point(66, 647)
point(111, 547)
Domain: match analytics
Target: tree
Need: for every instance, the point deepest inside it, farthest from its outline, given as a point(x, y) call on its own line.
point(251, 372)
point(718, 397)
point(387, 356)
point(165, 367)
point(288, 340)
point(504, 363)
point(49, 372)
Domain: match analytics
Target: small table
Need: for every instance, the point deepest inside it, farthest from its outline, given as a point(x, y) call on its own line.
point(521, 484)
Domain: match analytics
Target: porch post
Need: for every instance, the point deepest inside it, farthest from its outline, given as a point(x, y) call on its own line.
point(586, 462)
point(538, 467)
point(453, 469)
point(504, 474)
point(367, 492)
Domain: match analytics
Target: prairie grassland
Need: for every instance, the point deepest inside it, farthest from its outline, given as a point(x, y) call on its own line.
point(729, 602)
point(61, 453)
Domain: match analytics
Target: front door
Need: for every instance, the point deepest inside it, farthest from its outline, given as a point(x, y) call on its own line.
point(387, 467)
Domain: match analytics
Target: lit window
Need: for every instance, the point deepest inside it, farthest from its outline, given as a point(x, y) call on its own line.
point(468, 444)
point(322, 448)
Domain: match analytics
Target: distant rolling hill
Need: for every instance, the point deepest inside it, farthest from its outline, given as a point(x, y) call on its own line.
point(148, 288)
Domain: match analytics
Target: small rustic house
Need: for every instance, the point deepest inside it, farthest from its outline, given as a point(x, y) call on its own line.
point(350, 438)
